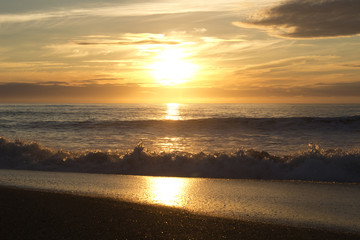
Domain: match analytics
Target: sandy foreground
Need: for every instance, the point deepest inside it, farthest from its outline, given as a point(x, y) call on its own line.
point(30, 214)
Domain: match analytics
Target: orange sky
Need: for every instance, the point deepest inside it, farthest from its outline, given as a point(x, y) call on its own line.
point(91, 51)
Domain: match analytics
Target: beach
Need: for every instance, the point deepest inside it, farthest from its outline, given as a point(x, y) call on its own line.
point(31, 214)
point(164, 119)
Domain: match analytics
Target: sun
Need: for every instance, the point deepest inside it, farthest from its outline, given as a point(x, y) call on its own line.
point(171, 67)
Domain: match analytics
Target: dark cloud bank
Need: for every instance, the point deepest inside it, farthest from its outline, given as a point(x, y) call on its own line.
point(310, 19)
point(95, 93)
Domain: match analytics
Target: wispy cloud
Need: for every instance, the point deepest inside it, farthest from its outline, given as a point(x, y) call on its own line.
point(352, 65)
point(30, 65)
point(130, 44)
point(309, 19)
point(123, 10)
point(151, 42)
point(289, 62)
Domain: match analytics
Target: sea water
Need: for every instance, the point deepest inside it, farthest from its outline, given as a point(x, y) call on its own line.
point(264, 141)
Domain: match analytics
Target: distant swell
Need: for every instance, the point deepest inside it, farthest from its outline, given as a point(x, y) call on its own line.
point(315, 164)
point(267, 124)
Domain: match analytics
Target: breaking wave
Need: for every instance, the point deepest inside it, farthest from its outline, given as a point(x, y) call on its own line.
point(315, 164)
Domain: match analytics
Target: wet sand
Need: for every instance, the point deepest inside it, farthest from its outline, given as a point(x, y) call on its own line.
point(29, 214)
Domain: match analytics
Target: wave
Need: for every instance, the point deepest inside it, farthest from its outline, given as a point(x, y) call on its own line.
point(315, 164)
point(261, 124)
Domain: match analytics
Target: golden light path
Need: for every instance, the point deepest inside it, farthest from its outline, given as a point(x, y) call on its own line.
point(172, 143)
point(171, 67)
point(167, 191)
point(172, 111)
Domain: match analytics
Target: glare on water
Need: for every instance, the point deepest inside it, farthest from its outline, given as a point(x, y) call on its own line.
point(170, 143)
point(172, 111)
point(167, 191)
point(325, 205)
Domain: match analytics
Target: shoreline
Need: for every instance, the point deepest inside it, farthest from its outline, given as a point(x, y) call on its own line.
point(33, 214)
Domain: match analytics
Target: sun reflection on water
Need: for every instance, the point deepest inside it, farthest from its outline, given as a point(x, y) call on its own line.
point(172, 111)
point(167, 191)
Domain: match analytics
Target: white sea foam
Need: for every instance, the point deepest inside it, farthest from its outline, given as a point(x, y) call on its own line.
point(315, 164)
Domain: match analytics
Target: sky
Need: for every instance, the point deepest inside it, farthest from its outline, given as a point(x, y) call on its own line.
point(219, 51)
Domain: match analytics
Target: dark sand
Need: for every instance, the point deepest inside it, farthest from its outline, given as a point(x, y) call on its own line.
point(27, 214)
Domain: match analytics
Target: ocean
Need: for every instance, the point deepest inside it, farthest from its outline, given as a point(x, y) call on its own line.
point(312, 142)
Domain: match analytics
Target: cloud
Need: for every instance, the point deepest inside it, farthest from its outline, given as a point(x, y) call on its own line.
point(41, 5)
point(146, 42)
point(119, 49)
point(332, 90)
point(309, 19)
point(103, 93)
point(58, 92)
point(352, 65)
point(288, 62)
point(22, 12)
point(350, 89)
point(31, 65)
